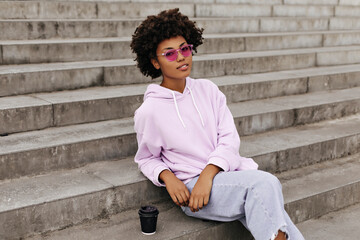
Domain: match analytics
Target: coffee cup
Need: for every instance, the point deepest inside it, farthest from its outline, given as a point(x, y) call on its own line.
point(148, 218)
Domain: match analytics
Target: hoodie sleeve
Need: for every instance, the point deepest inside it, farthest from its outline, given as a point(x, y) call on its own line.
point(226, 154)
point(148, 156)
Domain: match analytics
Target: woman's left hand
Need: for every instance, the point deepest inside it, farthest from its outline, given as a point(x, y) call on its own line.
point(200, 194)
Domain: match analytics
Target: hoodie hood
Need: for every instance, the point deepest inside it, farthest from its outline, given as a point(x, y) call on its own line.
point(159, 92)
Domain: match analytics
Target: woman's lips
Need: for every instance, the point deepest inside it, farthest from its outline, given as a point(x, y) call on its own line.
point(183, 67)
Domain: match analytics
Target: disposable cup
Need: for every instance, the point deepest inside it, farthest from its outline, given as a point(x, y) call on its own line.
point(148, 219)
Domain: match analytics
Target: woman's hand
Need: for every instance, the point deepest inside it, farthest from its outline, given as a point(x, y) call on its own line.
point(176, 188)
point(200, 194)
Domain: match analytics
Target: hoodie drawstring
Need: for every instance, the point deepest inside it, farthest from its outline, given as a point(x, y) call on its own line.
point(197, 109)
point(177, 109)
point(193, 100)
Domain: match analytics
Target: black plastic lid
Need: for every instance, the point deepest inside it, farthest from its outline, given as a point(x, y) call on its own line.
point(148, 210)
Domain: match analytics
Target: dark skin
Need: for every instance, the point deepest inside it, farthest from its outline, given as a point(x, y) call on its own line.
point(174, 77)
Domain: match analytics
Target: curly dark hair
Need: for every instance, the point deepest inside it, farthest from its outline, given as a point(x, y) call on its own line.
point(155, 29)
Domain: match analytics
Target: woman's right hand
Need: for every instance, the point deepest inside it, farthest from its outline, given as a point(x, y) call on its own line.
point(176, 188)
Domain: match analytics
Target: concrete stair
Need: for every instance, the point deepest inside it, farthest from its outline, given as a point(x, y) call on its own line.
point(31, 29)
point(93, 49)
point(316, 186)
point(290, 70)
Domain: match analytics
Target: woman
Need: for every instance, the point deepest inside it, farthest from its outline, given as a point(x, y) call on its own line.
point(187, 139)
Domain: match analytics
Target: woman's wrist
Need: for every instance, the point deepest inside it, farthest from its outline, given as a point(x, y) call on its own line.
point(210, 171)
point(165, 175)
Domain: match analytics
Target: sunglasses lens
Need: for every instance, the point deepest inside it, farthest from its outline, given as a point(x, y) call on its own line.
point(186, 50)
point(171, 55)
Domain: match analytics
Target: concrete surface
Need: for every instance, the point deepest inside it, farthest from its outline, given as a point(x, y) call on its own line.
point(83, 174)
point(312, 2)
point(106, 103)
point(90, 49)
point(321, 177)
point(37, 152)
point(302, 11)
point(342, 224)
point(123, 10)
point(127, 226)
point(316, 140)
point(28, 29)
point(30, 205)
point(50, 77)
point(85, 10)
point(339, 177)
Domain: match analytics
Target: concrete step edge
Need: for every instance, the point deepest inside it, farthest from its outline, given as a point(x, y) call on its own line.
point(320, 78)
point(101, 103)
point(23, 68)
point(36, 152)
point(113, 28)
point(210, 35)
point(57, 108)
point(299, 210)
point(87, 49)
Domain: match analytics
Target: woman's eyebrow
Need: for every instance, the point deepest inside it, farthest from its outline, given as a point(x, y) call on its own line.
point(168, 48)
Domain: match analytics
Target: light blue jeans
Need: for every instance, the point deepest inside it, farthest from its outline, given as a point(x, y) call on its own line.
point(254, 198)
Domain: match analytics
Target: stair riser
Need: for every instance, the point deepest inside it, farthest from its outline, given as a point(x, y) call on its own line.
point(249, 125)
point(52, 113)
point(323, 203)
point(292, 158)
point(49, 81)
point(349, 2)
point(310, 2)
point(68, 156)
point(78, 154)
point(338, 58)
point(115, 10)
point(55, 114)
point(32, 82)
point(214, 68)
point(25, 119)
point(86, 10)
point(47, 29)
point(331, 82)
point(67, 212)
point(69, 52)
point(265, 89)
point(302, 11)
point(19, 223)
point(345, 23)
point(225, 10)
point(44, 53)
point(32, 29)
point(95, 110)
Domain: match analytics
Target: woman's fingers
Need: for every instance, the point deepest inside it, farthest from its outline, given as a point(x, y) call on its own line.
point(201, 203)
point(196, 204)
point(175, 200)
point(185, 199)
point(180, 199)
point(187, 194)
point(206, 200)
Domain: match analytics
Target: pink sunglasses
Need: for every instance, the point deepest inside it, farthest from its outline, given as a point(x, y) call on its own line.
point(172, 54)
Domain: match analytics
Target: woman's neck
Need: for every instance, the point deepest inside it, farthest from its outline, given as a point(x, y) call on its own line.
point(178, 85)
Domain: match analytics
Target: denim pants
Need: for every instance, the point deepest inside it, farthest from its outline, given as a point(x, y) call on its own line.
point(254, 198)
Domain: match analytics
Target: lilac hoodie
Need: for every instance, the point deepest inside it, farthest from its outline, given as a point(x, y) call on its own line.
point(183, 132)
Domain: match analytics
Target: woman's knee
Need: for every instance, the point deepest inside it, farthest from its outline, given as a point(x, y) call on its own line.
point(266, 180)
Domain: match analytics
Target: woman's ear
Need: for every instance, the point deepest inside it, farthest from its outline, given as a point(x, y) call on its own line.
point(155, 63)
